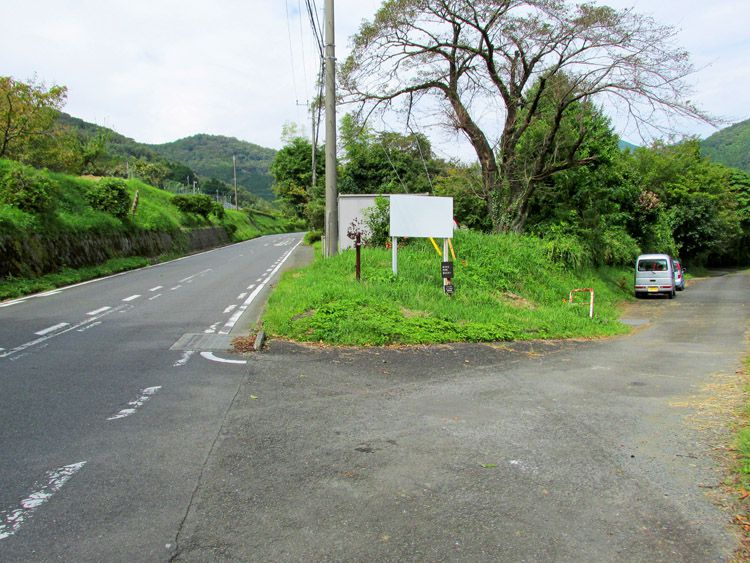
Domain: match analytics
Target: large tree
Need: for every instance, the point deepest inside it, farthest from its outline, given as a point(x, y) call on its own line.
point(27, 112)
point(530, 66)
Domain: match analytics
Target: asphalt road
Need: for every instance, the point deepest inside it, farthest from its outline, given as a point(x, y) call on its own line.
point(559, 451)
point(112, 394)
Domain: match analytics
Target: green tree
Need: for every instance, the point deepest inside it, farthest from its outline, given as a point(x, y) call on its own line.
point(27, 111)
point(532, 61)
point(385, 162)
point(292, 173)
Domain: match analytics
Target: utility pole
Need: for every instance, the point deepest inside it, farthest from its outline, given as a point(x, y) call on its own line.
point(332, 205)
point(234, 167)
point(314, 151)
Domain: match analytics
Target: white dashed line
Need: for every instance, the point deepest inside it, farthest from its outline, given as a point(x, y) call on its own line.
point(259, 280)
point(155, 296)
point(11, 520)
point(252, 285)
point(51, 329)
point(146, 394)
point(175, 288)
point(131, 298)
point(230, 309)
point(85, 328)
point(157, 288)
point(97, 311)
point(241, 296)
point(190, 278)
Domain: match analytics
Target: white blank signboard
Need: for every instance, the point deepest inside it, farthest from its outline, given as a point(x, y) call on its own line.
point(421, 216)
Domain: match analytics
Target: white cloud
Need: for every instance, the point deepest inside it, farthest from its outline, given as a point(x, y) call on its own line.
point(164, 69)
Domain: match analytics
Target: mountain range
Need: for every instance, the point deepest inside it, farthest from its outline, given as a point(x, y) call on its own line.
point(730, 146)
point(209, 156)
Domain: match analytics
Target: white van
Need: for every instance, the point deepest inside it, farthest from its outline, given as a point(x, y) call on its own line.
point(654, 275)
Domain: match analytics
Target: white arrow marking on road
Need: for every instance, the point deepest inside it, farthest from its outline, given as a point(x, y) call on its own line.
point(146, 394)
point(210, 356)
point(184, 360)
point(11, 520)
point(51, 329)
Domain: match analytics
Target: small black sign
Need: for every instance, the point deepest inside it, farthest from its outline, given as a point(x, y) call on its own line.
point(449, 288)
point(447, 269)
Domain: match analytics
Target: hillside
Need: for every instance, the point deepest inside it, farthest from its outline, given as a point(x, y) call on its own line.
point(730, 146)
point(211, 156)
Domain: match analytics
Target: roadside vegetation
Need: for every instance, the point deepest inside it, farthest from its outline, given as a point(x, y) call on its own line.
point(508, 287)
point(43, 213)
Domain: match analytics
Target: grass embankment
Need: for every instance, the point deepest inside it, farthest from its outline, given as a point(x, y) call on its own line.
point(506, 289)
point(72, 214)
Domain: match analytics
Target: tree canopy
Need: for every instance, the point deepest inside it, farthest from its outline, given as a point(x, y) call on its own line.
point(535, 66)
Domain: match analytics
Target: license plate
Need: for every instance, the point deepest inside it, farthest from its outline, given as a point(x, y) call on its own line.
point(653, 289)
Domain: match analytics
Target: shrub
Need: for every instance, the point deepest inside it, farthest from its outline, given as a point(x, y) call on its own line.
point(312, 236)
point(565, 248)
point(377, 220)
point(200, 204)
point(217, 210)
point(26, 189)
point(111, 196)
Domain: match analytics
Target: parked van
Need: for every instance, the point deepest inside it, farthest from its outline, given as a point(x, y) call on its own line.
point(654, 275)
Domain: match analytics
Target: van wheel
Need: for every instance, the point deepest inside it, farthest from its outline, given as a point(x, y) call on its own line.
point(672, 294)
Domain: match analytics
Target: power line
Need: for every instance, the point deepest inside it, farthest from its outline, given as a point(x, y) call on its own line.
point(291, 51)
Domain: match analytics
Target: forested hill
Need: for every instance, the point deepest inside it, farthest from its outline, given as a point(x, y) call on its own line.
point(730, 146)
point(211, 156)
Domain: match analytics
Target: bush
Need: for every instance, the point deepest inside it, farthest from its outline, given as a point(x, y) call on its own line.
point(377, 220)
point(564, 247)
point(111, 196)
point(27, 189)
point(200, 204)
point(218, 210)
point(312, 236)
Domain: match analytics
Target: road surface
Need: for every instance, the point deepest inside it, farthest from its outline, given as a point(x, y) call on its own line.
point(560, 451)
point(112, 394)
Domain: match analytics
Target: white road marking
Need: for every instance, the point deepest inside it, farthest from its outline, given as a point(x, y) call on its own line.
point(175, 287)
point(185, 358)
point(14, 302)
point(131, 298)
point(155, 296)
point(92, 325)
point(252, 285)
point(11, 520)
point(269, 270)
point(98, 311)
point(190, 278)
point(102, 313)
point(146, 394)
point(230, 308)
point(157, 288)
point(51, 329)
point(229, 325)
point(259, 280)
point(48, 293)
point(241, 296)
point(212, 328)
point(210, 356)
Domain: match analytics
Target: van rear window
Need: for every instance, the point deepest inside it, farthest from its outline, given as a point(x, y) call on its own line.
point(652, 265)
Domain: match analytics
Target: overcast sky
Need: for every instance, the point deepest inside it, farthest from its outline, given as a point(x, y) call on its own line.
point(161, 70)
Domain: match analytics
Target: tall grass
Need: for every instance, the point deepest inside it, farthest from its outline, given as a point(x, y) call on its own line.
point(506, 289)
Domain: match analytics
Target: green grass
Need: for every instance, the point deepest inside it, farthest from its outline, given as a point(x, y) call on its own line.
point(505, 290)
point(18, 287)
point(743, 443)
point(72, 214)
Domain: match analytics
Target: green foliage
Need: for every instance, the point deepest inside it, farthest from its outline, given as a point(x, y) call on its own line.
point(28, 190)
point(506, 289)
point(292, 173)
point(211, 157)
point(565, 248)
point(200, 204)
point(464, 185)
point(385, 162)
point(313, 237)
point(377, 222)
point(111, 196)
point(217, 210)
point(730, 146)
point(27, 112)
